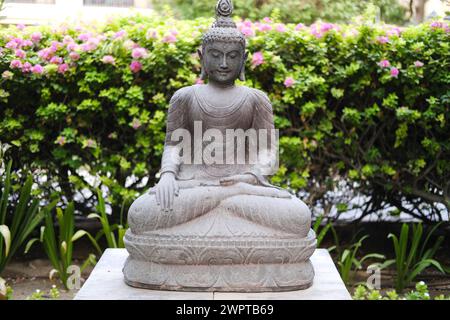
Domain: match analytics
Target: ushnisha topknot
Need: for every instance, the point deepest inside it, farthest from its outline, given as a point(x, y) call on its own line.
point(224, 28)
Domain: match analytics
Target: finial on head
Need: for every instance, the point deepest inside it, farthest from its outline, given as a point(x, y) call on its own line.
point(224, 8)
point(224, 28)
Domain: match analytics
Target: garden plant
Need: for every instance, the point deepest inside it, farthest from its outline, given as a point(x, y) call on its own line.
point(358, 107)
point(362, 108)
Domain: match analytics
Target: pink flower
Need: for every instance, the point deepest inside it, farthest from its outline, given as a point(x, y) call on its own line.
point(45, 54)
point(169, 39)
point(315, 31)
point(72, 46)
point(27, 43)
point(135, 66)
point(26, 67)
point(395, 31)
point(247, 23)
point(264, 27)
point(120, 34)
point(267, 20)
point(281, 27)
point(384, 63)
point(36, 36)
point(299, 26)
point(12, 45)
point(139, 53)
point(382, 39)
point(257, 58)
point(56, 60)
point(90, 45)
point(418, 64)
point(37, 69)
point(136, 124)
point(248, 32)
point(108, 59)
point(318, 30)
point(15, 64)
point(199, 81)
point(289, 82)
point(394, 72)
point(327, 27)
point(20, 26)
point(63, 68)
point(55, 45)
point(20, 54)
point(74, 56)
point(174, 32)
point(437, 24)
point(84, 36)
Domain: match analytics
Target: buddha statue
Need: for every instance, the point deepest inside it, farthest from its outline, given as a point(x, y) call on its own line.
point(210, 224)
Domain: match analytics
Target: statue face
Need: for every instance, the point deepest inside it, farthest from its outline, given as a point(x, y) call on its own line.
point(223, 61)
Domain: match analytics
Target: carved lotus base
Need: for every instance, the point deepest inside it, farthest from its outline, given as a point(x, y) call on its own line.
point(243, 264)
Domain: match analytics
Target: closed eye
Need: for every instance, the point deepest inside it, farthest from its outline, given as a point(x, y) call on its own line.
point(233, 54)
point(215, 53)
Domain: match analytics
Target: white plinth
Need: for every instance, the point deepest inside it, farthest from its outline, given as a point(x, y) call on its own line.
point(106, 283)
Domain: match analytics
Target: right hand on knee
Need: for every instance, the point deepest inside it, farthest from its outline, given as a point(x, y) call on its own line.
point(166, 190)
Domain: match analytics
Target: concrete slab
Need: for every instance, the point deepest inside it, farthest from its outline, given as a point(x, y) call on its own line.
point(106, 283)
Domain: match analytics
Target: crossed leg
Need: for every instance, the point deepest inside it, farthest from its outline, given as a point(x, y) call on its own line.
point(262, 205)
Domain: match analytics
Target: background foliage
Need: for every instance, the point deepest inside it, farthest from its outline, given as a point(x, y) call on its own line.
point(362, 109)
point(295, 11)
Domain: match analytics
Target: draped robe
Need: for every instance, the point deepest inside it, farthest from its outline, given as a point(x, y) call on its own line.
point(258, 210)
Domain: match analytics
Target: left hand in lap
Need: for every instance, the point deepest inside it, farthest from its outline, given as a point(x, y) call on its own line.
point(247, 178)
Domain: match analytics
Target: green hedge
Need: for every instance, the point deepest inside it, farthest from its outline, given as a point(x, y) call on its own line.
point(306, 11)
point(365, 105)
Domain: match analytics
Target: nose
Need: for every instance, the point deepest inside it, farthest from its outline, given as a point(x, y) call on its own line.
point(223, 64)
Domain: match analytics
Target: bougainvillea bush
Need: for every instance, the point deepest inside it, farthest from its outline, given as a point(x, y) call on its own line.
point(363, 108)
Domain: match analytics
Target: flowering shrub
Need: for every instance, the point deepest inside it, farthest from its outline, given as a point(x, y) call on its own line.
point(289, 10)
point(364, 104)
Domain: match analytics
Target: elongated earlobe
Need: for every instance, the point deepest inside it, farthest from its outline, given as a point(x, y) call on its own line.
point(242, 73)
point(203, 73)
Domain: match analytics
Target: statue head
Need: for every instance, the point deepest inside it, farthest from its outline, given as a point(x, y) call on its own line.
point(223, 52)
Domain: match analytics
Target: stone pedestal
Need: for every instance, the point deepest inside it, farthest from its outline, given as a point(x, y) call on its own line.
point(106, 282)
point(240, 264)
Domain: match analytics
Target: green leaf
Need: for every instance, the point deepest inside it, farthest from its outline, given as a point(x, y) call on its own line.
point(4, 231)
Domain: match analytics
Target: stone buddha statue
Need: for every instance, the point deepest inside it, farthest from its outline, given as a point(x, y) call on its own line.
point(216, 224)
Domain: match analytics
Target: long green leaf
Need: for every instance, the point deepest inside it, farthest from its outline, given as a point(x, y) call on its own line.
point(422, 265)
point(6, 234)
point(21, 208)
point(427, 238)
point(5, 194)
point(403, 242)
point(30, 244)
point(416, 237)
point(49, 241)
